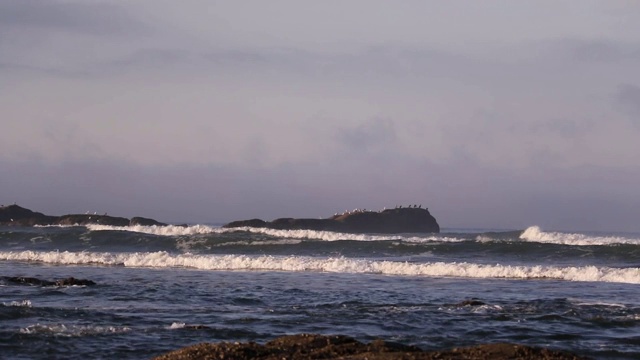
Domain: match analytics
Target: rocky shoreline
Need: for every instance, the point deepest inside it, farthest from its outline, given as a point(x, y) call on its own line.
point(310, 346)
point(14, 215)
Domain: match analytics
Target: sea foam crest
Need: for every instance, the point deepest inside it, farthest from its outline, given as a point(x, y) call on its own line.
point(166, 230)
point(336, 236)
point(163, 259)
point(72, 330)
point(23, 303)
point(535, 234)
point(173, 230)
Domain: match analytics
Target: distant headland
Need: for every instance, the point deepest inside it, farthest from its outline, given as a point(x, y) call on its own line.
point(387, 221)
point(14, 215)
point(411, 219)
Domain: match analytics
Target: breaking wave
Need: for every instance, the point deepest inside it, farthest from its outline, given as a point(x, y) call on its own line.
point(535, 234)
point(73, 330)
point(163, 259)
point(24, 303)
point(174, 230)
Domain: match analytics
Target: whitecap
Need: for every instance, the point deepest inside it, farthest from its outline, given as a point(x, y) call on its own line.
point(173, 230)
point(162, 259)
point(23, 303)
point(73, 330)
point(535, 234)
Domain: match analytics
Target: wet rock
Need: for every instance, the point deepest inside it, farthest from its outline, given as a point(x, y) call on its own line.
point(471, 302)
point(22, 280)
point(308, 346)
point(196, 327)
point(74, 282)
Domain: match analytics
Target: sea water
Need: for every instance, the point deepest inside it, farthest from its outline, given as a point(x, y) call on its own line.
point(162, 288)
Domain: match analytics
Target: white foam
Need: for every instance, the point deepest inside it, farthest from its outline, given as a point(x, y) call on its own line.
point(259, 243)
point(484, 239)
point(172, 230)
point(163, 259)
point(603, 304)
point(73, 330)
point(167, 230)
point(535, 234)
point(23, 303)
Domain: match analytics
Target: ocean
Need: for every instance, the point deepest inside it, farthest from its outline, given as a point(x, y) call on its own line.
point(161, 288)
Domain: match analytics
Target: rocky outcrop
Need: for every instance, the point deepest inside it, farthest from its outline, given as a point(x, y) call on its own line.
point(138, 220)
point(71, 281)
point(14, 215)
point(307, 346)
point(398, 220)
point(82, 219)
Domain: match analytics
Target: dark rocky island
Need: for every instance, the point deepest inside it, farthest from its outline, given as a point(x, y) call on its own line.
point(308, 346)
point(399, 220)
point(14, 215)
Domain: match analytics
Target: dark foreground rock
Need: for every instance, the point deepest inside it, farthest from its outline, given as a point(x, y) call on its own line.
point(14, 215)
point(22, 280)
point(307, 346)
point(389, 221)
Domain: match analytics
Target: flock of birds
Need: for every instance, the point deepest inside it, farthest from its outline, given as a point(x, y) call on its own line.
point(355, 211)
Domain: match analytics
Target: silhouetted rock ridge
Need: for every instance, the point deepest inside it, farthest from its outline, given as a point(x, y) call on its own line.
point(14, 215)
point(388, 221)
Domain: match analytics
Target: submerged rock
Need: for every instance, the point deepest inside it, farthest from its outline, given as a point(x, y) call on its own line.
point(399, 220)
point(22, 280)
point(471, 302)
point(309, 346)
point(71, 281)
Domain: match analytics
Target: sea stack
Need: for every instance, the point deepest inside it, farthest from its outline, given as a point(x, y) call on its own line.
point(399, 220)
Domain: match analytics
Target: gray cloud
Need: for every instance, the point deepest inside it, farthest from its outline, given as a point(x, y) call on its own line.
point(232, 113)
point(374, 135)
point(628, 97)
point(83, 17)
point(600, 50)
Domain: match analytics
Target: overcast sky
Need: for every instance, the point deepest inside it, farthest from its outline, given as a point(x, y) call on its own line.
point(494, 114)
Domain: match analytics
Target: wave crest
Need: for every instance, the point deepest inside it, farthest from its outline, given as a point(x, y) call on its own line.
point(174, 230)
point(535, 234)
point(163, 259)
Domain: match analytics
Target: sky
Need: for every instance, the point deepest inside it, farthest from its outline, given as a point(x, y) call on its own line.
point(493, 114)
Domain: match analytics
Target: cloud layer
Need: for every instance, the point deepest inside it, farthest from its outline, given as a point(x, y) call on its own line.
point(281, 109)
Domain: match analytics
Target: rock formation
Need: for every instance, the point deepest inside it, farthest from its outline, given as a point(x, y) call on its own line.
point(307, 347)
point(388, 221)
point(14, 215)
point(71, 281)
